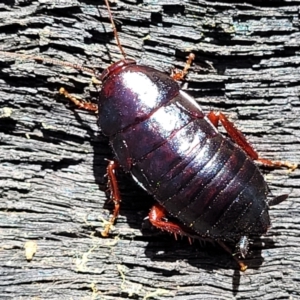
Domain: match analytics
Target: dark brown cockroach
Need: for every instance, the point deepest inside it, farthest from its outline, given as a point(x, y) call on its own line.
point(207, 183)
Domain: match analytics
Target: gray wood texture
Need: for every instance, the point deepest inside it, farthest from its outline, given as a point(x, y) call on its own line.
point(52, 155)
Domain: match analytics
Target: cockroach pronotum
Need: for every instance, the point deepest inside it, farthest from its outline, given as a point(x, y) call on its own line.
point(206, 183)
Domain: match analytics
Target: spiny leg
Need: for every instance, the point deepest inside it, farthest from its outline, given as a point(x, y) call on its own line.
point(179, 75)
point(238, 137)
point(158, 218)
point(114, 195)
point(79, 103)
point(112, 165)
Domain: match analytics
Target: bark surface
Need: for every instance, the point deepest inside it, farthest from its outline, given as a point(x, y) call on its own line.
point(52, 156)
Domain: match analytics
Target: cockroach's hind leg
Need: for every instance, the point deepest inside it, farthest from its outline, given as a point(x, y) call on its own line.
point(238, 137)
point(78, 102)
point(114, 196)
point(158, 218)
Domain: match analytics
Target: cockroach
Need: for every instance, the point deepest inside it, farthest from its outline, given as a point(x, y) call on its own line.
point(207, 183)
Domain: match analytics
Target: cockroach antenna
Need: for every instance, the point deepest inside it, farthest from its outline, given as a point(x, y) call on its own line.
point(115, 29)
point(47, 60)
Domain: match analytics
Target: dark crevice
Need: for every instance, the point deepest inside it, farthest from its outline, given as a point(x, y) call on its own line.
point(258, 3)
point(51, 165)
point(67, 234)
point(172, 10)
point(19, 190)
point(62, 164)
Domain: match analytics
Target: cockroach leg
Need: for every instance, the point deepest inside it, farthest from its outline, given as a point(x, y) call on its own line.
point(79, 103)
point(114, 195)
point(243, 267)
point(158, 218)
point(277, 164)
point(238, 137)
point(179, 75)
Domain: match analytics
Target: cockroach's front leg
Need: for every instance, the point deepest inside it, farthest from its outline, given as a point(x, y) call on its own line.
point(112, 165)
point(79, 103)
point(114, 195)
point(179, 75)
point(239, 138)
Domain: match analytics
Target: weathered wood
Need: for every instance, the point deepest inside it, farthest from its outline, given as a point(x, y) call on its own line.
point(52, 155)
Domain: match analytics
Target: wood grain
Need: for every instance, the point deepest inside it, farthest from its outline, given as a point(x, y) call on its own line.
point(52, 156)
